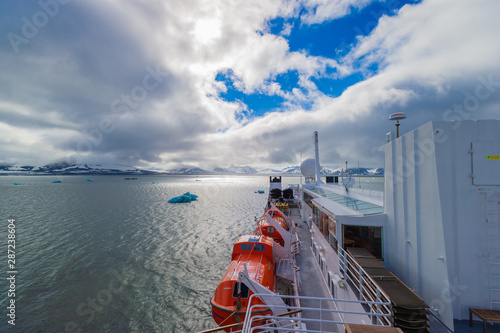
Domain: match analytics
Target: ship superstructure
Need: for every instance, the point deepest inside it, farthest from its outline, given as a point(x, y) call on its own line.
point(435, 228)
point(414, 258)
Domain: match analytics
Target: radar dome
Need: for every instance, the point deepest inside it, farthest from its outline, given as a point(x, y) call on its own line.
point(308, 168)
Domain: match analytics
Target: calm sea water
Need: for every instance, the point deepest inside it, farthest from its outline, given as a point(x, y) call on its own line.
point(114, 256)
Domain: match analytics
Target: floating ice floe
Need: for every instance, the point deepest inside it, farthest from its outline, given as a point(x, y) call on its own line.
point(186, 197)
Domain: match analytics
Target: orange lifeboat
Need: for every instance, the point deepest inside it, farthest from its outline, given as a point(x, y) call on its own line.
point(229, 304)
point(264, 228)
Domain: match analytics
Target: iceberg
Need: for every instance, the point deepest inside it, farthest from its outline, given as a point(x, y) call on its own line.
point(186, 197)
point(194, 197)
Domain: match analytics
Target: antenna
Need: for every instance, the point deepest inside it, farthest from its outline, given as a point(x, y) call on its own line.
point(300, 152)
point(357, 152)
point(397, 117)
point(316, 157)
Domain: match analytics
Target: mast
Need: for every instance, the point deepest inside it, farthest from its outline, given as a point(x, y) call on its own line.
point(316, 158)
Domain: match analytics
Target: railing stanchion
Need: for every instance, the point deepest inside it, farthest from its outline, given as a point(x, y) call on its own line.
point(378, 305)
point(321, 315)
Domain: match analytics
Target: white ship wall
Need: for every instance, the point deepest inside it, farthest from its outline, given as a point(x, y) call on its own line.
point(442, 233)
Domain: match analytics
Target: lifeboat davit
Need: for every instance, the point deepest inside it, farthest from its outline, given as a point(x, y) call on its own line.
point(264, 228)
point(229, 304)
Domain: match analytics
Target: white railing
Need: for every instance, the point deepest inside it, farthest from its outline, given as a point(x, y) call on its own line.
point(327, 310)
point(364, 285)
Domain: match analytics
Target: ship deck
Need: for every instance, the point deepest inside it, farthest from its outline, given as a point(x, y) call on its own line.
point(311, 281)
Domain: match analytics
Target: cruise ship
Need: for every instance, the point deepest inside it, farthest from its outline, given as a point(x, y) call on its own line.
point(421, 256)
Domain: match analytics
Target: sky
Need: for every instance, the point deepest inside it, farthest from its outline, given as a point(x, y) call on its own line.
point(163, 83)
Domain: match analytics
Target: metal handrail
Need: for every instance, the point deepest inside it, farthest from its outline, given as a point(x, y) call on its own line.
point(231, 326)
point(364, 281)
point(296, 320)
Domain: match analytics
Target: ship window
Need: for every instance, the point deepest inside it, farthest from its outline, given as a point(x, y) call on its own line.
point(270, 230)
point(259, 247)
point(333, 242)
point(316, 212)
point(245, 247)
point(308, 199)
point(244, 290)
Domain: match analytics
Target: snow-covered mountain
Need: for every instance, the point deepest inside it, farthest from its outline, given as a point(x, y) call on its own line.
point(235, 170)
point(353, 171)
point(330, 170)
point(377, 171)
point(270, 171)
point(325, 171)
point(187, 171)
point(64, 168)
point(295, 170)
point(291, 170)
point(242, 170)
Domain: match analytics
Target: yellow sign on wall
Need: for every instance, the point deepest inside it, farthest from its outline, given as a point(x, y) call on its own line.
point(493, 157)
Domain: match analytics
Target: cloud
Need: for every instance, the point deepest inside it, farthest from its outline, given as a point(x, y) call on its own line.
point(135, 82)
point(438, 59)
point(427, 65)
point(319, 11)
